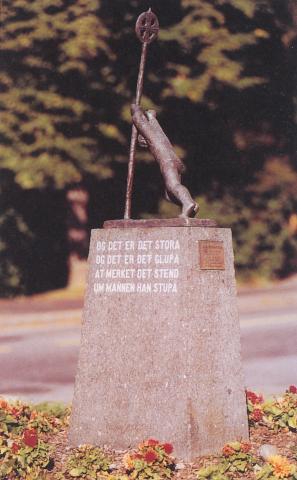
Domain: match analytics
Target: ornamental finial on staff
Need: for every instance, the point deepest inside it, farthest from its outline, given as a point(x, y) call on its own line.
point(149, 133)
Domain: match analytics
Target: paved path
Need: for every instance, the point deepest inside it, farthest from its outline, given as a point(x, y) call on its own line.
point(39, 344)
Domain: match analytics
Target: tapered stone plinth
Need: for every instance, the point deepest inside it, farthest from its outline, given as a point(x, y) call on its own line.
point(160, 348)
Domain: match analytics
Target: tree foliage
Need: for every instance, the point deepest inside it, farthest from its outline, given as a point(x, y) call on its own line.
point(66, 89)
point(221, 76)
point(50, 128)
point(209, 40)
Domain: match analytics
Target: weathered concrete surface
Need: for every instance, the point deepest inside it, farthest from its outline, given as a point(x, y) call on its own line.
point(155, 363)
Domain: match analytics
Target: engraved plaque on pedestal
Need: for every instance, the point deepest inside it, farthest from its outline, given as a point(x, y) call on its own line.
point(212, 256)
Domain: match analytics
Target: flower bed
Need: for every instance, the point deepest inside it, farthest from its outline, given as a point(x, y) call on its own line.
point(33, 445)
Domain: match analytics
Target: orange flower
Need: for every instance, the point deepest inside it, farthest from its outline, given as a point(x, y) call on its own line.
point(245, 447)
point(33, 415)
point(137, 456)
point(282, 468)
point(128, 462)
point(227, 450)
point(3, 404)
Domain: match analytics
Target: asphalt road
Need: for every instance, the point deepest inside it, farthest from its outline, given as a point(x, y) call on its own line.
point(39, 346)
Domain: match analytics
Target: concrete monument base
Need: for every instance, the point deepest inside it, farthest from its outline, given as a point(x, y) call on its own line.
point(160, 347)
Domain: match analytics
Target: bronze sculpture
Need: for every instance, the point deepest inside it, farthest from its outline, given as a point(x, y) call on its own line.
point(150, 134)
point(170, 165)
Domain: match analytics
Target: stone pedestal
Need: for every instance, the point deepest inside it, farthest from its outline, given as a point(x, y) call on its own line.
point(160, 347)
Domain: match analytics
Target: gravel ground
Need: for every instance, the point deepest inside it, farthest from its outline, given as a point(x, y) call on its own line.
point(285, 441)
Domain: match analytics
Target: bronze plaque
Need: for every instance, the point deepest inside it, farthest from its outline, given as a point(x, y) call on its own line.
point(211, 255)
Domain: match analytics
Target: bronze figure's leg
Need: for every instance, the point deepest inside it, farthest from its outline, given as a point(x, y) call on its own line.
point(178, 193)
point(170, 165)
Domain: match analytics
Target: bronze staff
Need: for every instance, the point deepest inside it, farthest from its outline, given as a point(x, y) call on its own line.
point(147, 28)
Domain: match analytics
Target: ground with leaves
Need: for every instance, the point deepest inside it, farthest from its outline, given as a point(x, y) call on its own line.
point(33, 445)
point(285, 442)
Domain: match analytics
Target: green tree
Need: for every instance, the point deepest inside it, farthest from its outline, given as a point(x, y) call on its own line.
point(209, 37)
point(48, 127)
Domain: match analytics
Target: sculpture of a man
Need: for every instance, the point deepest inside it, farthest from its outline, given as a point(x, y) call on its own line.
point(152, 136)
